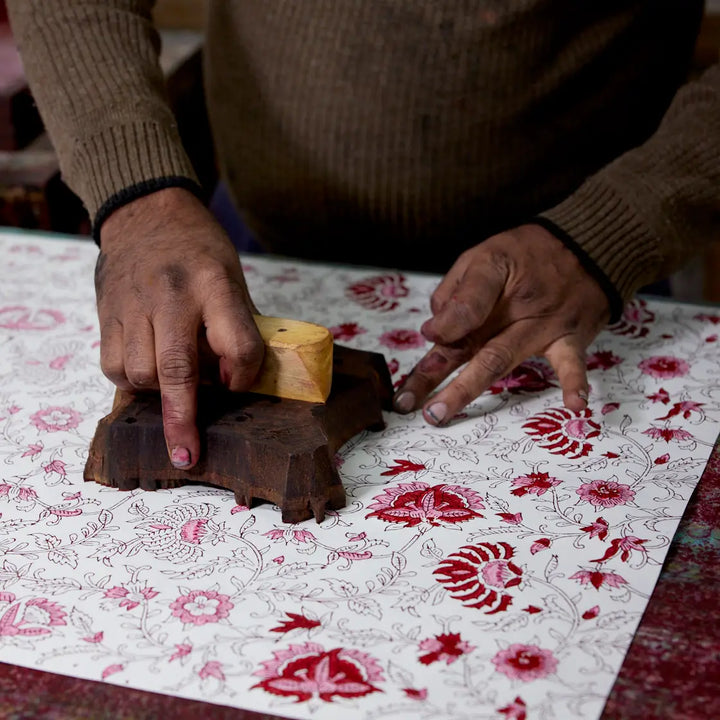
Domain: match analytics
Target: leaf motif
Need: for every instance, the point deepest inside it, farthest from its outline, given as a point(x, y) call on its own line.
point(341, 587)
point(463, 453)
point(293, 570)
point(81, 620)
point(198, 571)
point(400, 676)
point(45, 541)
point(365, 606)
point(615, 620)
point(64, 556)
point(496, 503)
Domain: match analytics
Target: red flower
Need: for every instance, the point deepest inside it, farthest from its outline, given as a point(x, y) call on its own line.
point(536, 483)
point(403, 466)
point(609, 407)
point(416, 694)
point(511, 518)
point(634, 321)
point(563, 432)
point(624, 546)
point(517, 710)
point(308, 670)
point(290, 535)
point(602, 360)
point(597, 579)
point(540, 545)
point(662, 459)
point(598, 529)
point(401, 339)
point(417, 502)
point(446, 647)
point(379, 292)
point(478, 575)
point(667, 434)
point(660, 396)
point(593, 612)
point(525, 662)
point(714, 319)
point(346, 331)
point(294, 622)
point(530, 377)
point(664, 366)
point(685, 408)
point(606, 493)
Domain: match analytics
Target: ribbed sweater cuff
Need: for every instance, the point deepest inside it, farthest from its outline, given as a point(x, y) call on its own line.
point(608, 238)
point(108, 163)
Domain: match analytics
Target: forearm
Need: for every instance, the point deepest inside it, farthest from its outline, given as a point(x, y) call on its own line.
point(93, 69)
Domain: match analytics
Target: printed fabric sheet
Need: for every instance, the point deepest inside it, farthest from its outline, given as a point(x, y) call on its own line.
point(493, 569)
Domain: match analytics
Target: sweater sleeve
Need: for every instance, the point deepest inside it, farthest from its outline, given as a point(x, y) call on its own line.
point(94, 72)
point(643, 215)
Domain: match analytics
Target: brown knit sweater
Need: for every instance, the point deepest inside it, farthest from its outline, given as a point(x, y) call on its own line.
point(401, 132)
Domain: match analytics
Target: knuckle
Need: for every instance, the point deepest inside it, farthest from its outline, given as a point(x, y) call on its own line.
point(141, 376)
point(463, 394)
point(177, 365)
point(527, 290)
point(495, 360)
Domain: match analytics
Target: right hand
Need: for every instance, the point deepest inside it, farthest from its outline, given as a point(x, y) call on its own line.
point(167, 275)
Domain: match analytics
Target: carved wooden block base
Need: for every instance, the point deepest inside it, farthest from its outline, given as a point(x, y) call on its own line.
point(258, 446)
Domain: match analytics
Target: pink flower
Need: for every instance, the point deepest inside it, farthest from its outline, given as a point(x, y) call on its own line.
point(400, 339)
point(379, 292)
point(56, 466)
point(308, 670)
point(598, 529)
point(528, 377)
point(199, 607)
point(664, 366)
point(536, 483)
point(20, 317)
point(33, 450)
point(686, 408)
point(56, 419)
point(597, 579)
point(563, 432)
point(511, 518)
point(177, 532)
point(525, 662)
point(591, 613)
point(404, 466)
point(290, 535)
point(111, 670)
point(346, 331)
point(479, 575)
point(660, 396)
point(447, 647)
point(17, 492)
point(634, 321)
point(96, 638)
point(213, 669)
point(609, 407)
point(540, 545)
point(182, 650)
point(606, 493)
point(130, 599)
point(36, 617)
point(624, 546)
point(517, 710)
point(667, 434)
point(662, 459)
point(602, 360)
point(295, 622)
point(414, 503)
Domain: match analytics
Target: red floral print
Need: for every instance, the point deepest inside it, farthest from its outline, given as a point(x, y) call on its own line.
point(401, 339)
point(516, 710)
point(591, 613)
point(528, 377)
point(446, 648)
point(598, 529)
point(414, 503)
point(199, 607)
point(130, 598)
point(478, 576)
point(525, 662)
point(56, 467)
point(56, 419)
point(213, 669)
point(668, 434)
point(597, 579)
point(290, 535)
point(536, 483)
point(308, 670)
point(404, 466)
point(540, 545)
point(17, 492)
point(32, 618)
point(563, 432)
point(634, 321)
point(181, 650)
point(295, 622)
point(602, 360)
point(379, 292)
point(511, 518)
point(415, 694)
point(685, 408)
point(624, 546)
point(111, 670)
point(660, 396)
point(606, 493)
point(714, 319)
point(664, 366)
point(177, 532)
point(662, 459)
point(346, 331)
point(609, 407)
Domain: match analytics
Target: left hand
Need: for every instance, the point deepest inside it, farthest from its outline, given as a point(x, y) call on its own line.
point(519, 293)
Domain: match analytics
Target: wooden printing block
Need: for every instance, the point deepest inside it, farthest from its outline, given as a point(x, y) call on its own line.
point(259, 446)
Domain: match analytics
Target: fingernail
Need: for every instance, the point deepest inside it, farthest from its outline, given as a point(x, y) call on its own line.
point(404, 402)
point(180, 457)
point(582, 394)
point(437, 412)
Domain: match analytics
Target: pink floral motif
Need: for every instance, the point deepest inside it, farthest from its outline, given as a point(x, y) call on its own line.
point(535, 483)
point(213, 669)
point(668, 434)
point(447, 648)
point(308, 670)
point(414, 503)
point(685, 408)
point(660, 396)
point(36, 617)
point(479, 575)
point(56, 419)
point(634, 321)
point(346, 331)
point(540, 545)
point(17, 492)
point(401, 339)
point(591, 613)
point(664, 366)
point(563, 432)
point(181, 650)
point(606, 493)
point(624, 546)
point(379, 292)
point(393, 366)
point(403, 466)
point(199, 607)
point(21, 317)
point(525, 662)
point(511, 518)
point(111, 670)
point(130, 598)
point(531, 376)
point(33, 450)
point(290, 535)
point(516, 710)
point(177, 532)
point(597, 579)
point(295, 621)
point(598, 529)
point(415, 694)
point(56, 466)
point(602, 360)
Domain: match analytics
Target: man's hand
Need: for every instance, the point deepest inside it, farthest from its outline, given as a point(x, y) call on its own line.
point(518, 294)
point(168, 282)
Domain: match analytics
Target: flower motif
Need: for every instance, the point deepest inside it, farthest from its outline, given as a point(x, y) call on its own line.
point(414, 503)
point(57, 467)
point(56, 419)
point(714, 319)
point(602, 360)
point(660, 396)
point(401, 339)
point(416, 694)
point(447, 647)
point(563, 432)
point(200, 607)
point(177, 533)
point(597, 579)
point(308, 670)
point(664, 366)
point(528, 377)
point(668, 434)
point(634, 321)
point(516, 710)
point(17, 492)
point(598, 529)
point(624, 546)
point(402, 466)
point(36, 617)
point(685, 408)
point(606, 493)
point(346, 331)
point(535, 483)
point(130, 598)
point(379, 292)
point(212, 668)
point(20, 317)
point(591, 613)
point(478, 576)
point(182, 650)
point(525, 662)
point(290, 535)
point(295, 621)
